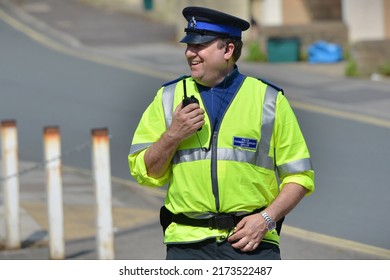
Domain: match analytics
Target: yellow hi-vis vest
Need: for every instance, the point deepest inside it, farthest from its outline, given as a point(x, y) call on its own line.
point(228, 171)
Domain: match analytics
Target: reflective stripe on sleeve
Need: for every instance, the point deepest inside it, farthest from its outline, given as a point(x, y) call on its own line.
point(294, 167)
point(138, 147)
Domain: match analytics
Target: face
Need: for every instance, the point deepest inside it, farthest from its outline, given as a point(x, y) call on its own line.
point(208, 63)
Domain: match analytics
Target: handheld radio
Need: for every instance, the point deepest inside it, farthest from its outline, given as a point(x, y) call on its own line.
point(189, 100)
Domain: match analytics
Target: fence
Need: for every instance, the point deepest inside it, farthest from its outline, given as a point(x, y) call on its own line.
point(52, 163)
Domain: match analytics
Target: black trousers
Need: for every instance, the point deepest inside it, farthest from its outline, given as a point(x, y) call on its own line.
point(212, 250)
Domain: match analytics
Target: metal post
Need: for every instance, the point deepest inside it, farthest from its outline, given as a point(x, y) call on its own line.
point(102, 177)
point(52, 150)
point(9, 150)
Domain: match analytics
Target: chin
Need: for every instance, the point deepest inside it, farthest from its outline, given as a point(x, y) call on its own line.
point(195, 76)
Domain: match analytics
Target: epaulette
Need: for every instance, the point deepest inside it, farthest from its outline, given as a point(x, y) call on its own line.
point(176, 80)
point(271, 85)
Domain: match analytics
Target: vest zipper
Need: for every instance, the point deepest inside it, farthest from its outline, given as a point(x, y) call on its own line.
point(214, 173)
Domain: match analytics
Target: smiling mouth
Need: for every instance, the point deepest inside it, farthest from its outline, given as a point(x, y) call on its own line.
point(194, 63)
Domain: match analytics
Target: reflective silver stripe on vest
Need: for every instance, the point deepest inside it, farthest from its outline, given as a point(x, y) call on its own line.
point(168, 95)
point(138, 147)
point(222, 154)
point(267, 127)
point(294, 167)
point(167, 100)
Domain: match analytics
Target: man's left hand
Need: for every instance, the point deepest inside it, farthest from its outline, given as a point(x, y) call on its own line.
point(248, 233)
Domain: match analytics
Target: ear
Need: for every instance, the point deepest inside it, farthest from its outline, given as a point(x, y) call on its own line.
point(229, 51)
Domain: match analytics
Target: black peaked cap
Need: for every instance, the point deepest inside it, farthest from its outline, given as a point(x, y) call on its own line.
point(215, 19)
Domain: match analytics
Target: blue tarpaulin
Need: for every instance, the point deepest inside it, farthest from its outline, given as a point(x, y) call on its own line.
point(324, 52)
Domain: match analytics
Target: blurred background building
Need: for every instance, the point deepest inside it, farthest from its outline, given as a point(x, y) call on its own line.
point(360, 27)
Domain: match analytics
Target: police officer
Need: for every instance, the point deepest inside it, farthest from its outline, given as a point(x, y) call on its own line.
point(220, 139)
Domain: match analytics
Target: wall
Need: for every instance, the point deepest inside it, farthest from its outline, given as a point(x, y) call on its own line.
point(370, 55)
point(386, 9)
point(295, 12)
point(307, 11)
point(320, 10)
point(364, 23)
point(271, 12)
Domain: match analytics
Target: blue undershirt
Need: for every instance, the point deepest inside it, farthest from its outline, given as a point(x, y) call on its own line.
point(217, 99)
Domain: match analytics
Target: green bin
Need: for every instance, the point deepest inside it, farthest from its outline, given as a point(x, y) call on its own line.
point(148, 5)
point(283, 49)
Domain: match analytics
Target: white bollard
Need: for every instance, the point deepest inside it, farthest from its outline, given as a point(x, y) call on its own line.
point(10, 165)
point(52, 151)
point(102, 178)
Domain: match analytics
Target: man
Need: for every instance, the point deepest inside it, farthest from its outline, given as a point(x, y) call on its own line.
point(216, 137)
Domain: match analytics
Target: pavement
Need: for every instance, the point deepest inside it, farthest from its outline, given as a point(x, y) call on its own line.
point(132, 41)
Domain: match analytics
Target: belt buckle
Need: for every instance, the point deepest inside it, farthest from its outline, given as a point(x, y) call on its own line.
point(222, 222)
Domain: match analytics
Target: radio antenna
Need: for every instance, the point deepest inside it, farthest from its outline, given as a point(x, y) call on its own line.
point(185, 88)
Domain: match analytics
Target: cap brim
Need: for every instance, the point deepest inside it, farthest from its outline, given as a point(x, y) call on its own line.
point(197, 38)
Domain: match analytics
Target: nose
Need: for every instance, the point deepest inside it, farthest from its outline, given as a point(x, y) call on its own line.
point(190, 51)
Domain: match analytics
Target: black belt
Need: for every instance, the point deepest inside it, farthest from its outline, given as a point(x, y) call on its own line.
point(220, 221)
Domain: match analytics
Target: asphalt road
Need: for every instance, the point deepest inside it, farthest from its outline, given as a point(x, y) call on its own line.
point(42, 87)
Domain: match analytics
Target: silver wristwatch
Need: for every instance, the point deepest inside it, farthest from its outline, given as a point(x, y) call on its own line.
point(270, 223)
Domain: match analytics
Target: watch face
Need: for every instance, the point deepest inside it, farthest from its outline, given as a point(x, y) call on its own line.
point(271, 225)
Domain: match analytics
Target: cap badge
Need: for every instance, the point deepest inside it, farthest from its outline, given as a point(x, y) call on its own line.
point(193, 22)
